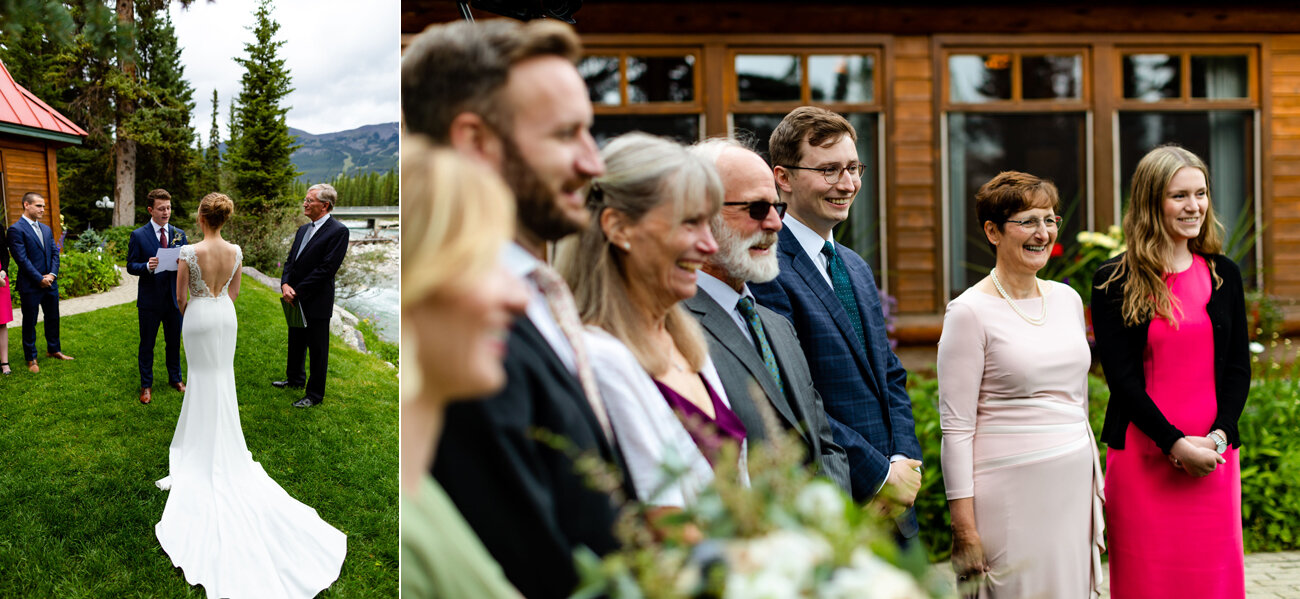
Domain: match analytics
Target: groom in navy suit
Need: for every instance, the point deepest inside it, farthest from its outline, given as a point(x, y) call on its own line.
point(830, 295)
point(32, 244)
point(156, 291)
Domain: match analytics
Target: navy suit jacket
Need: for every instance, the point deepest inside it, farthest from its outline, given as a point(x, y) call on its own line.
point(312, 274)
point(863, 389)
point(33, 260)
point(155, 291)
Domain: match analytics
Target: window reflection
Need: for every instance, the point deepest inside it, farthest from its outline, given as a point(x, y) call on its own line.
point(660, 79)
point(684, 128)
point(1220, 77)
point(841, 78)
point(980, 146)
point(979, 78)
point(767, 78)
point(601, 75)
point(1151, 77)
point(1052, 77)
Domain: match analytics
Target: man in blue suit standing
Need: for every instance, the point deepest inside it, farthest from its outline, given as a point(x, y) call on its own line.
point(830, 295)
point(32, 244)
point(156, 291)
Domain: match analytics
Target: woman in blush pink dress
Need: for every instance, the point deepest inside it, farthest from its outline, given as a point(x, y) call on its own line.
point(1170, 320)
point(6, 305)
point(1019, 458)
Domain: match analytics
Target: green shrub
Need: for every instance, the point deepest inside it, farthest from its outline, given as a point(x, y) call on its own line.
point(116, 241)
point(265, 238)
point(386, 351)
point(84, 273)
point(931, 501)
point(88, 241)
point(1270, 459)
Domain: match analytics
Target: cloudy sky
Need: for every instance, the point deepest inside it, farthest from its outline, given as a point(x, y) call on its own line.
point(343, 56)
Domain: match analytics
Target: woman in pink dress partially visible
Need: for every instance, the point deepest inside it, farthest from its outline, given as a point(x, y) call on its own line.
point(6, 305)
point(1170, 320)
point(1020, 466)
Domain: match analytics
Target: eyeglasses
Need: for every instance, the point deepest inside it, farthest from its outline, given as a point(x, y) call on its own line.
point(832, 174)
point(1031, 224)
point(758, 210)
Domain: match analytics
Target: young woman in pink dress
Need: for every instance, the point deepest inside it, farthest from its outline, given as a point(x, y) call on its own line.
point(6, 305)
point(1170, 320)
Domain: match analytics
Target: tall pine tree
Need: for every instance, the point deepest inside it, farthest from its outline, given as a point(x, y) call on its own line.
point(260, 148)
point(211, 174)
point(161, 121)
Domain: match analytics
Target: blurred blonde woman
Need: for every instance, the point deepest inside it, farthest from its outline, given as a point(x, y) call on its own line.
point(457, 306)
point(227, 524)
point(629, 271)
point(1170, 320)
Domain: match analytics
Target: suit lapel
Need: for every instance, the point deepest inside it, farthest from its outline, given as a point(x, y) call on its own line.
point(717, 321)
point(530, 336)
point(816, 283)
point(860, 280)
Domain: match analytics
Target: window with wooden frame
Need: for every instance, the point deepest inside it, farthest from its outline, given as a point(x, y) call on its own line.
point(1023, 109)
point(656, 90)
point(1206, 99)
point(764, 83)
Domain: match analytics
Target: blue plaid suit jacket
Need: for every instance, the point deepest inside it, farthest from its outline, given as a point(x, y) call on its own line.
point(863, 389)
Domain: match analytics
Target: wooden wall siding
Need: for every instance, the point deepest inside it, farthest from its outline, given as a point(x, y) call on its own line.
point(24, 171)
point(1282, 211)
point(912, 209)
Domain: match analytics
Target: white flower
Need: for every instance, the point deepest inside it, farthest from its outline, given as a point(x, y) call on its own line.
point(821, 503)
point(1109, 243)
point(777, 565)
point(869, 577)
point(1114, 231)
point(1085, 237)
point(1256, 347)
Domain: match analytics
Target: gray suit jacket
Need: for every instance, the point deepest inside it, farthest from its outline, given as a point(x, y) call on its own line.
point(740, 366)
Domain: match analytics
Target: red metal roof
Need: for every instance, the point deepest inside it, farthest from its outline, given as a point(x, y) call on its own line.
point(20, 107)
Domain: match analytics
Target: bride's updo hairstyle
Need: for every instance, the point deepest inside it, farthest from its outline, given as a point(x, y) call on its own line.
point(215, 209)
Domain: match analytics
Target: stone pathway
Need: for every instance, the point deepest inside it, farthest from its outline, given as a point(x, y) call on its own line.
point(1268, 576)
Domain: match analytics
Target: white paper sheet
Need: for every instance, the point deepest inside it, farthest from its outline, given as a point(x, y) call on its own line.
point(168, 259)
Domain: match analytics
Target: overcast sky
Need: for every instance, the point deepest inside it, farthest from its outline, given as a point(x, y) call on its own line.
point(343, 56)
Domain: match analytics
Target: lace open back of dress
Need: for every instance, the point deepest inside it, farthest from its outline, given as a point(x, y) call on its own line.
point(199, 287)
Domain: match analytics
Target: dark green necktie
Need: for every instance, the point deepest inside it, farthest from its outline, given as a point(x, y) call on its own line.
point(844, 289)
point(747, 309)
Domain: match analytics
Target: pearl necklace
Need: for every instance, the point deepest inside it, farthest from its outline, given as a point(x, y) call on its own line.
point(1042, 318)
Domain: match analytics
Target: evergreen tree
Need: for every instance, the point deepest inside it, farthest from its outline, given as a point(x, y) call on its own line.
point(160, 125)
point(259, 156)
point(211, 177)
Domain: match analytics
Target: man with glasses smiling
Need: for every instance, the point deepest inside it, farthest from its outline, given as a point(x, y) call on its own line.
point(830, 295)
point(752, 346)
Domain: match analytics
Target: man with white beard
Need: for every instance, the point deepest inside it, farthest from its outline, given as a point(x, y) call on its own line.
point(755, 350)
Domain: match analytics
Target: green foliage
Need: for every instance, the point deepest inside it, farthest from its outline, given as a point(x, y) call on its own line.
point(84, 273)
point(116, 242)
point(1080, 260)
point(1263, 314)
point(364, 189)
point(386, 351)
point(1270, 457)
point(76, 485)
point(931, 501)
point(210, 176)
point(88, 241)
point(265, 238)
point(364, 268)
point(259, 156)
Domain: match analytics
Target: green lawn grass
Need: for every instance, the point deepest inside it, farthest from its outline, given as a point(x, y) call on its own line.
point(79, 456)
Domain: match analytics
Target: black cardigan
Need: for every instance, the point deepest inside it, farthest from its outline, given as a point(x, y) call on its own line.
point(1122, 348)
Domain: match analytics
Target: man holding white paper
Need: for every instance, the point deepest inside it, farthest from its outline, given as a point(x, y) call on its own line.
point(152, 256)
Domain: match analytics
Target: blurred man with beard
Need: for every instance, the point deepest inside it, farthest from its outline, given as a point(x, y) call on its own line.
point(508, 94)
point(755, 350)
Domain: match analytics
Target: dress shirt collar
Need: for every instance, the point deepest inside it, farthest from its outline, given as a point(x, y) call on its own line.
point(720, 291)
point(518, 261)
point(156, 227)
point(316, 224)
point(811, 242)
point(30, 222)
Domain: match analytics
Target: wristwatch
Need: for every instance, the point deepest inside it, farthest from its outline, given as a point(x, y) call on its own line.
point(1220, 444)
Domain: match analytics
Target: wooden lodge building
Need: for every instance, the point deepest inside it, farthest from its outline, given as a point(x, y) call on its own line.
point(944, 97)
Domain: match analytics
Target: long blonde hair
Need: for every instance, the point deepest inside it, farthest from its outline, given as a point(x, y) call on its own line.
point(642, 172)
point(1147, 239)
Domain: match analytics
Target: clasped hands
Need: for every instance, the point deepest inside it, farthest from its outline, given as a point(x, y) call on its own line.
point(1195, 455)
point(901, 486)
point(47, 280)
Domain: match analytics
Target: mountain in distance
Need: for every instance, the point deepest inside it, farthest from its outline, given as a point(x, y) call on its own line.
point(369, 148)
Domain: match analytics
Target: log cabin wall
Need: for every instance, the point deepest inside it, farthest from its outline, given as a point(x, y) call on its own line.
point(914, 107)
point(28, 166)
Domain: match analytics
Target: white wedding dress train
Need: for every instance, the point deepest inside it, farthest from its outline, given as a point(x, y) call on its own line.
point(226, 524)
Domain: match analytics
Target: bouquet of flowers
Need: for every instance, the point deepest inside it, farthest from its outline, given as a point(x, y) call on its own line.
point(787, 535)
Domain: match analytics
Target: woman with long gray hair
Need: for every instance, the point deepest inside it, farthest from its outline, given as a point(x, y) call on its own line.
point(629, 270)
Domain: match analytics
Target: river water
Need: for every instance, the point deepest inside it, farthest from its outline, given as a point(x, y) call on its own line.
point(381, 303)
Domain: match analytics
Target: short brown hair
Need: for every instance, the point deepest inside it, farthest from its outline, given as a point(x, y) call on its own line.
point(158, 194)
point(462, 67)
point(1011, 192)
point(32, 196)
point(215, 208)
point(819, 126)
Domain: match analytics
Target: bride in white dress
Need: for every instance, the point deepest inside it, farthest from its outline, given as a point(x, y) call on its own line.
point(226, 524)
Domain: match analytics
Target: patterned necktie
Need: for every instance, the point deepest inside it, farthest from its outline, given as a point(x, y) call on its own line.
point(844, 289)
point(560, 300)
point(162, 236)
point(747, 309)
point(305, 238)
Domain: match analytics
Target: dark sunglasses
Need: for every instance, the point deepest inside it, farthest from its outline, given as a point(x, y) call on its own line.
point(758, 210)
